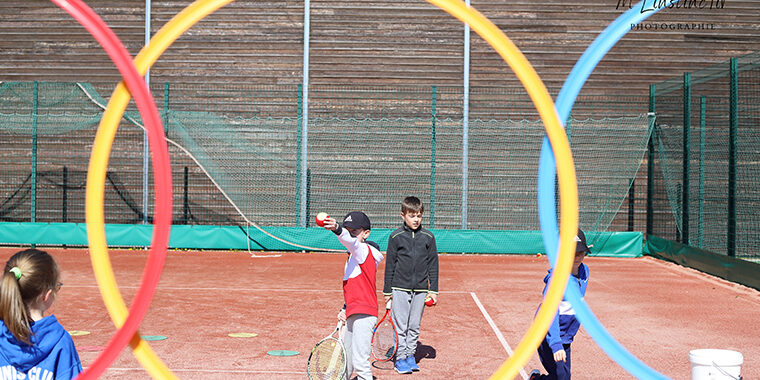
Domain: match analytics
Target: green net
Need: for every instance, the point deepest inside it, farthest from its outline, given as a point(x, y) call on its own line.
point(237, 157)
point(47, 131)
point(700, 190)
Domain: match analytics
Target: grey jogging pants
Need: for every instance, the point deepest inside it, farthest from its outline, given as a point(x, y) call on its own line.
point(407, 315)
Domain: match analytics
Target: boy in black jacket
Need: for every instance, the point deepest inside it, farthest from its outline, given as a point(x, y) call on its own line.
point(411, 275)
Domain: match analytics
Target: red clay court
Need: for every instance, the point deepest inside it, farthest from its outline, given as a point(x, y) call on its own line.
point(657, 310)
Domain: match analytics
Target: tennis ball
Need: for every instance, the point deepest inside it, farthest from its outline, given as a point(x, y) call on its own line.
point(321, 218)
point(429, 301)
point(538, 254)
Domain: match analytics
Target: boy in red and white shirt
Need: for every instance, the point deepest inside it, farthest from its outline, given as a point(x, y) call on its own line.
point(359, 291)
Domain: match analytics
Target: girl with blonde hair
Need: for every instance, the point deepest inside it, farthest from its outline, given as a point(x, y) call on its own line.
point(33, 345)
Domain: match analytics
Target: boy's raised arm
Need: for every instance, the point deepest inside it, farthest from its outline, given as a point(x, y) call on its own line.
point(358, 249)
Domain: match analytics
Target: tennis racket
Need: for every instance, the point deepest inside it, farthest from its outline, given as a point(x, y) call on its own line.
point(384, 337)
point(327, 360)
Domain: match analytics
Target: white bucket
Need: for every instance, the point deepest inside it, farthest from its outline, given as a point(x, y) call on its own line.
point(713, 364)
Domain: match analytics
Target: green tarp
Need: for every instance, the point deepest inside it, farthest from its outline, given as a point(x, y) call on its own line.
point(618, 244)
point(732, 269)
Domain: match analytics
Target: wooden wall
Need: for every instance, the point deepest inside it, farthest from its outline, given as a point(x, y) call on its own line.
point(355, 42)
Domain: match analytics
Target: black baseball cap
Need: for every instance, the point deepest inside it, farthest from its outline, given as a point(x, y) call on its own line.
point(580, 243)
point(356, 220)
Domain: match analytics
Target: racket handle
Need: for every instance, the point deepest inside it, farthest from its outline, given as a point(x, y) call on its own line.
point(388, 304)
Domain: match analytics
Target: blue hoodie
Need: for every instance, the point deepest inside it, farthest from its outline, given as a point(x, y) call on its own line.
point(52, 354)
point(565, 325)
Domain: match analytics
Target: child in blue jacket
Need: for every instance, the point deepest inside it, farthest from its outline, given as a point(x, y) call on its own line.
point(554, 351)
point(33, 346)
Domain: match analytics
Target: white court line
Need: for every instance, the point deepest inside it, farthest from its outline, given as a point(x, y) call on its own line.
point(191, 370)
point(490, 321)
point(334, 290)
point(497, 332)
point(338, 290)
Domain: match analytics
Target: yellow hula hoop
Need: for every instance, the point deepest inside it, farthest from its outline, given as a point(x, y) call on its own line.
point(565, 171)
point(481, 25)
point(97, 174)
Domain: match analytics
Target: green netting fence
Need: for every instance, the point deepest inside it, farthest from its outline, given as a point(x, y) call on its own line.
point(706, 160)
point(237, 158)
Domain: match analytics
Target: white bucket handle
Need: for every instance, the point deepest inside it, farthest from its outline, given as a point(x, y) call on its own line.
point(724, 372)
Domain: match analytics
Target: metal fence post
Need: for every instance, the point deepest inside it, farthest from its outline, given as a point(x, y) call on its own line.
point(432, 159)
point(299, 118)
point(569, 133)
point(631, 203)
point(686, 149)
point(733, 121)
point(679, 199)
point(35, 105)
point(700, 228)
point(465, 118)
point(166, 109)
point(65, 193)
point(185, 197)
point(650, 160)
point(308, 195)
point(303, 107)
point(465, 166)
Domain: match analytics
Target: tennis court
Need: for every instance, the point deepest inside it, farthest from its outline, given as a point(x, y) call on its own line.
point(657, 310)
point(261, 127)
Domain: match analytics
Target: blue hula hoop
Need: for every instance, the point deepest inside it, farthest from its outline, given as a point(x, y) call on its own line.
point(546, 181)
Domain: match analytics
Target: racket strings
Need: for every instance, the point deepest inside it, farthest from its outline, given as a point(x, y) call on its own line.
point(384, 343)
point(327, 361)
